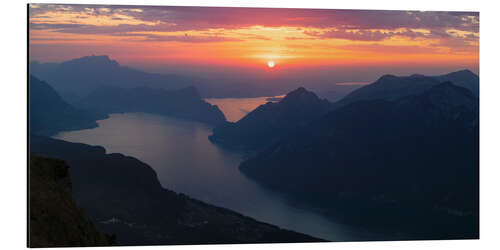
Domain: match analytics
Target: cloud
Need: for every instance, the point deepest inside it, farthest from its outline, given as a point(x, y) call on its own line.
point(202, 18)
point(390, 49)
point(355, 25)
point(445, 37)
point(257, 37)
point(292, 38)
point(351, 35)
point(74, 28)
point(185, 38)
point(458, 45)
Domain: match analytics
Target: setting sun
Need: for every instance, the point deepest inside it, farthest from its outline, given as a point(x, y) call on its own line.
point(270, 64)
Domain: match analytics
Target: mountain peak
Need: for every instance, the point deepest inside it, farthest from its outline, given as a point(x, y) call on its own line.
point(300, 94)
point(93, 60)
point(462, 73)
point(386, 77)
point(463, 78)
point(390, 87)
point(417, 76)
point(270, 122)
point(299, 89)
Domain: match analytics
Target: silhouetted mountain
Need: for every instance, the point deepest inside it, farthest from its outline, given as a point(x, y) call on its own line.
point(463, 78)
point(54, 218)
point(50, 114)
point(270, 122)
point(123, 196)
point(410, 164)
point(389, 87)
point(74, 79)
point(77, 78)
point(184, 103)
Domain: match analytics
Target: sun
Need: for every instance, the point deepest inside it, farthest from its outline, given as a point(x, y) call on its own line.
point(270, 64)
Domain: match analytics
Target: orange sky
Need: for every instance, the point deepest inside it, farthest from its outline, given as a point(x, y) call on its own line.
point(250, 37)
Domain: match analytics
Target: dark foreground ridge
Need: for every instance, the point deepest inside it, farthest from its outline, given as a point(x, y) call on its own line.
point(123, 196)
point(411, 164)
point(55, 219)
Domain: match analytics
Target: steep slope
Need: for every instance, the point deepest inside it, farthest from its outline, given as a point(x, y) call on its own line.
point(184, 103)
point(54, 218)
point(124, 197)
point(270, 122)
point(49, 114)
point(389, 87)
point(408, 163)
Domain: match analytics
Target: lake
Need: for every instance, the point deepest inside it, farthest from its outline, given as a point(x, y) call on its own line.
point(187, 162)
point(235, 108)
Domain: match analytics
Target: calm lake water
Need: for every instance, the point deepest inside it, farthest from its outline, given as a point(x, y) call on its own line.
point(235, 108)
point(187, 162)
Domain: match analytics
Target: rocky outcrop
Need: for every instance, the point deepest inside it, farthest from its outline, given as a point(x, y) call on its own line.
point(55, 220)
point(123, 196)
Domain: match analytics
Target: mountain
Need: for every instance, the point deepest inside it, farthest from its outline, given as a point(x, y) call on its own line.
point(123, 196)
point(411, 163)
point(389, 87)
point(184, 103)
point(74, 79)
point(271, 121)
point(55, 220)
point(49, 113)
point(463, 78)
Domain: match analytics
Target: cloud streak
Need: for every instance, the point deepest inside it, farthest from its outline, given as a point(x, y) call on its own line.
point(203, 18)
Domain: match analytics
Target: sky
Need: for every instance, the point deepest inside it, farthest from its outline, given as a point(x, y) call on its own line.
point(187, 39)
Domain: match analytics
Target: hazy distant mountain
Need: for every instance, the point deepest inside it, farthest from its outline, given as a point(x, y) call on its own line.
point(389, 87)
point(411, 161)
point(50, 114)
point(184, 103)
point(123, 196)
point(77, 78)
point(270, 122)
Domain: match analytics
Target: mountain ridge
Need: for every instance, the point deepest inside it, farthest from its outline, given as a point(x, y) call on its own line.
point(76, 78)
point(392, 147)
point(61, 224)
point(269, 122)
point(391, 87)
point(123, 196)
point(183, 103)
